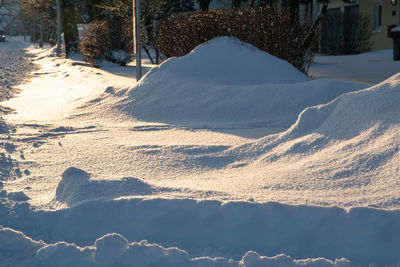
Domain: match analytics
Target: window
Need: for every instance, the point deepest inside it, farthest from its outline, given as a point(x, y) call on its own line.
point(377, 16)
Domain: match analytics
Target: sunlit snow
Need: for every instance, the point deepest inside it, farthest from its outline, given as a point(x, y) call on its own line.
point(225, 157)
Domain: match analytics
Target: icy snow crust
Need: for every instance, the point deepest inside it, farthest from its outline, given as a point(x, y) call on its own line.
point(195, 190)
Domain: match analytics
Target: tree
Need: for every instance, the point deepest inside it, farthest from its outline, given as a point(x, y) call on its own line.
point(44, 12)
point(70, 28)
point(293, 7)
point(9, 9)
point(204, 4)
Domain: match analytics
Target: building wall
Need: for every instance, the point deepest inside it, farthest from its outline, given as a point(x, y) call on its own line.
point(390, 16)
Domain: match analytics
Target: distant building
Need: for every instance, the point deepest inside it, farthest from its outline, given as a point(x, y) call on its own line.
point(9, 17)
point(384, 15)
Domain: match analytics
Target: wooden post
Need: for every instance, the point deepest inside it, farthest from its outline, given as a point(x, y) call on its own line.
point(136, 38)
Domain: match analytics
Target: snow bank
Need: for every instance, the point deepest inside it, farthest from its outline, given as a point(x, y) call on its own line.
point(114, 250)
point(225, 80)
point(229, 230)
point(350, 114)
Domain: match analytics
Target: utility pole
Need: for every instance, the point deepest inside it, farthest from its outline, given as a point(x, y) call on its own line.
point(58, 28)
point(136, 38)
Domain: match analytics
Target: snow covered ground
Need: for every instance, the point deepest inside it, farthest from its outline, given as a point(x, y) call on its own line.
point(368, 68)
point(215, 159)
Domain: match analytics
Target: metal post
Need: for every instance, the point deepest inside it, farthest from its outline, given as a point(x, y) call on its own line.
point(136, 38)
point(58, 28)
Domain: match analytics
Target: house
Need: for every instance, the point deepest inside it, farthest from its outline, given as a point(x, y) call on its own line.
point(383, 14)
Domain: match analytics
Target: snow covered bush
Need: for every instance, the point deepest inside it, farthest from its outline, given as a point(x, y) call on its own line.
point(118, 56)
point(264, 28)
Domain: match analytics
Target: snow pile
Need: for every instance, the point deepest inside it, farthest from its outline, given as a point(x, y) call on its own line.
point(114, 250)
point(346, 152)
point(225, 80)
point(204, 228)
point(76, 186)
point(350, 114)
point(72, 178)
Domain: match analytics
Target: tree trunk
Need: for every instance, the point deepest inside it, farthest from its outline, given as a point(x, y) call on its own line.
point(70, 28)
point(236, 3)
point(33, 35)
point(41, 30)
point(204, 4)
point(293, 6)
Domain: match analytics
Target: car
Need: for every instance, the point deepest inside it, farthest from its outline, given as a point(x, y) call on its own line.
point(2, 36)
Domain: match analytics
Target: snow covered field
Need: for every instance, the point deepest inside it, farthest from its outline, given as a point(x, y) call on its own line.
point(213, 162)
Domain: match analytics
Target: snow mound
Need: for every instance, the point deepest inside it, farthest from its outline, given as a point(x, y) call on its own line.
point(352, 113)
point(109, 248)
point(229, 61)
point(115, 250)
point(345, 151)
point(226, 80)
point(77, 186)
point(72, 179)
point(16, 249)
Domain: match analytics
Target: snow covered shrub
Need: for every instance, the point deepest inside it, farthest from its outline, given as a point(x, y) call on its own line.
point(264, 28)
point(94, 43)
point(118, 56)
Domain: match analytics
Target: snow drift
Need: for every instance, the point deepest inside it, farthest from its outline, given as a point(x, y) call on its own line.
point(350, 114)
point(226, 80)
point(346, 151)
point(114, 250)
point(198, 228)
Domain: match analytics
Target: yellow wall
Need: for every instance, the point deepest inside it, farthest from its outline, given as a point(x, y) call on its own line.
point(379, 38)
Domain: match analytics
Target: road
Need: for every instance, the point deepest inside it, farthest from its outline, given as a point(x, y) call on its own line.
point(15, 65)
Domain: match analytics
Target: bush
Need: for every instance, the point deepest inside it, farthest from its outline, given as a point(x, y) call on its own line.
point(343, 35)
point(365, 43)
point(110, 40)
point(94, 43)
point(264, 28)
